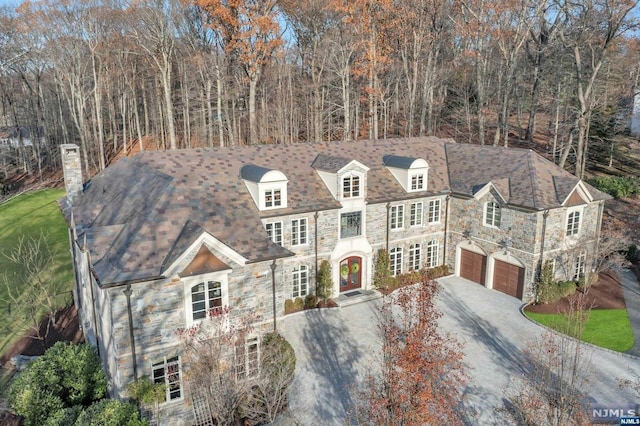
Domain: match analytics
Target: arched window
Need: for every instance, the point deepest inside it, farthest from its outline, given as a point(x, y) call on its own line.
point(300, 278)
point(492, 214)
point(205, 296)
point(415, 257)
point(395, 258)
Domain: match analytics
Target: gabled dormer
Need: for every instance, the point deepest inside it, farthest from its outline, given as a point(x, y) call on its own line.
point(345, 178)
point(411, 173)
point(267, 187)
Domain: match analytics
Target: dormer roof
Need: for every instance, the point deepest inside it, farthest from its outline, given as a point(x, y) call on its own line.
point(406, 163)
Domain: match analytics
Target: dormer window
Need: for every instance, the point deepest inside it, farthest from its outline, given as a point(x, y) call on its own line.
point(351, 186)
point(267, 187)
point(411, 173)
point(272, 198)
point(417, 182)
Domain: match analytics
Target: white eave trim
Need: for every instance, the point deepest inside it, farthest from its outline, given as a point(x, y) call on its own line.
point(582, 191)
point(214, 244)
point(349, 167)
point(486, 189)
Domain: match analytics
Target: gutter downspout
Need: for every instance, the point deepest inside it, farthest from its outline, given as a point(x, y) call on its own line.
point(446, 228)
point(127, 292)
point(545, 215)
point(315, 218)
point(387, 236)
point(273, 292)
point(93, 298)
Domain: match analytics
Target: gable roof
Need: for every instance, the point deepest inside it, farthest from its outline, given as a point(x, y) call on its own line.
point(142, 213)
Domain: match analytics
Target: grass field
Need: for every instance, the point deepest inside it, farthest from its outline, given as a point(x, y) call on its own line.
point(29, 215)
point(607, 328)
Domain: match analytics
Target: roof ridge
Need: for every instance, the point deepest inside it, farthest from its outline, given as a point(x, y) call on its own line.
point(532, 176)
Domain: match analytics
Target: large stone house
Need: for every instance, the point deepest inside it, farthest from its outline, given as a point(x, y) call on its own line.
point(160, 238)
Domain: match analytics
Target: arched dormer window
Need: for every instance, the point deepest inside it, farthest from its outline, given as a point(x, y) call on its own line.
point(267, 187)
point(411, 173)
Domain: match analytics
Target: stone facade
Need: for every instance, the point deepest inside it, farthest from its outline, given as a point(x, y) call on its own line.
point(162, 304)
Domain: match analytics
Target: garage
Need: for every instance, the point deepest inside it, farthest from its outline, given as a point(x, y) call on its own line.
point(508, 278)
point(473, 266)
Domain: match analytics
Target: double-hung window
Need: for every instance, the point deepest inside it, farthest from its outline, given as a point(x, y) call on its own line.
point(434, 211)
point(351, 186)
point(415, 214)
point(573, 222)
point(433, 252)
point(272, 198)
point(492, 214)
point(247, 358)
point(298, 232)
point(579, 266)
point(395, 260)
point(167, 371)
point(300, 278)
point(274, 231)
point(415, 257)
point(397, 217)
point(417, 182)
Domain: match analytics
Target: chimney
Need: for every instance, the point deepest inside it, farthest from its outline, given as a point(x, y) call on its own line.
point(72, 167)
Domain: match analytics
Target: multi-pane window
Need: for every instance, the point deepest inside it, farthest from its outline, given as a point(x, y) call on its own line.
point(395, 260)
point(247, 354)
point(573, 223)
point(300, 278)
point(397, 217)
point(434, 211)
point(492, 214)
point(579, 266)
point(415, 255)
point(299, 231)
point(205, 296)
point(166, 371)
point(351, 186)
point(274, 231)
point(417, 182)
point(272, 198)
point(415, 216)
point(350, 224)
point(433, 249)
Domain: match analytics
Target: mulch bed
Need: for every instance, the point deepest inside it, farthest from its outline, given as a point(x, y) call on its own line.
point(605, 294)
point(67, 329)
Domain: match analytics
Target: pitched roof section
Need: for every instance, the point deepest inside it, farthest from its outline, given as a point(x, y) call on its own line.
point(142, 213)
point(253, 173)
point(527, 179)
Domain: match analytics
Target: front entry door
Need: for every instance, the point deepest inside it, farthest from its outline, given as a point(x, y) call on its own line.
point(350, 273)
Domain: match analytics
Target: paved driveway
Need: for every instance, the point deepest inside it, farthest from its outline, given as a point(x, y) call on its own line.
point(336, 347)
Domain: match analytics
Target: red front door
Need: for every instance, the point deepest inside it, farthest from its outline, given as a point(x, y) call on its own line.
point(350, 273)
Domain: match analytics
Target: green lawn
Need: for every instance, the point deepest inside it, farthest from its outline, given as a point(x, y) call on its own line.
point(607, 328)
point(28, 215)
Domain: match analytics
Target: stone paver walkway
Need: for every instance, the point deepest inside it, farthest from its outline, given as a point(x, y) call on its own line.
point(631, 290)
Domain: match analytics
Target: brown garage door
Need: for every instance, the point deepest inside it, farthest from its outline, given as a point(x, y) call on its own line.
point(508, 278)
point(473, 266)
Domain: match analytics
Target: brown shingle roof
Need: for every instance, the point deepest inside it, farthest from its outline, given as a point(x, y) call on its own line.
point(142, 213)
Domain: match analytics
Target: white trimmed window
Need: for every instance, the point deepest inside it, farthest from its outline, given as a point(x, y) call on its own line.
point(492, 214)
point(395, 260)
point(274, 231)
point(351, 186)
point(397, 217)
point(573, 222)
point(415, 214)
point(300, 281)
point(433, 253)
point(434, 211)
point(298, 232)
point(415, 257)
point(579, 266)
point(204, 293)
point(417, 182)
point(247, 356)
point(272, 198)
point(167, 371)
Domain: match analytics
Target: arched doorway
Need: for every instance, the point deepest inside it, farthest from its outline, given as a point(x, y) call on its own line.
point(350, 273)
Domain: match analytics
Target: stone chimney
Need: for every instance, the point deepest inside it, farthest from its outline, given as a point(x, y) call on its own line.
point(72, 167)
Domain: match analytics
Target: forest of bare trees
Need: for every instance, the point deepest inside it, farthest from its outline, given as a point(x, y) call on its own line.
point(116, 76)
